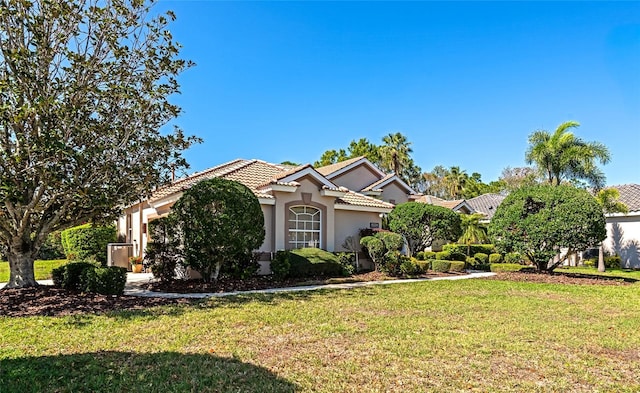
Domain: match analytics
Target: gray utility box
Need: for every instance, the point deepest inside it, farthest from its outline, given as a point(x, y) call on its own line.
point(118, 254)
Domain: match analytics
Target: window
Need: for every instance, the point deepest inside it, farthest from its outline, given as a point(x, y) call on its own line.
point(304, 227)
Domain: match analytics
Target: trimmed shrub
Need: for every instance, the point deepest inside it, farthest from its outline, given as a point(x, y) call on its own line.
point(495, 258)
point(280, 264)
point(243, 266)
point(513, 257)
point(309, 262)
point(71, 276)
point(612, 262)
point(392, 262)
point(423, 265)
point(458, 256)
point(348, 262)
point(52, 248)
point(105, 280)
point(410, 268)
point(472, 248)
point(456, 266)
point(440, 266)
point(163, 255)
point(481, 257)
point(590, 262)
point(429, 255)
point(443, 256)
point(420, 255)
point(506, 267)
point(86, 242)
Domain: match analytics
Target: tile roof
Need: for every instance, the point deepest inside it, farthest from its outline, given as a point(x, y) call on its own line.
point(256, 174)
point(630, 196)
point(251, 173)
point(354, 198)
point(486, 203)
point(373, 186)
point(434, 200)
point(329, 169)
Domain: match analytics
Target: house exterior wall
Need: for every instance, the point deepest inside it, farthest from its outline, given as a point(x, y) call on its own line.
point(623, 239)
point(349, 223)
point(393, 192)
point(356, 179)
point(310, 191)
point(268, 244)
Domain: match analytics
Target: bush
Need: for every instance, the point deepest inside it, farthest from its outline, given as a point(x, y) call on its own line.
point(456, 266)
point(280, 264)
point(472, 248)
point(52, 248)
point(440, 266)
point(392, 261)
point(423, 266)
point(162, 255)
point(590, 262)
point(420, 256)
point(243, 266)
point(506, 267)
point(513, 257)
point(458, 256)
point(612, 262)
point(410, 268)
point(443, 256)
point(86, 242)
point(71, 276)
point(105, 280)
point(348, 262)
point(429, 255)
point(481, 257)
point(495, 258)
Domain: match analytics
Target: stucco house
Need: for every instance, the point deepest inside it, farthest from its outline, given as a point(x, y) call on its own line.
point(623, 230)
point(302, 206)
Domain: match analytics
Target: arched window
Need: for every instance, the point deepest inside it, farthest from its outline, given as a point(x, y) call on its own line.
point(304, 227)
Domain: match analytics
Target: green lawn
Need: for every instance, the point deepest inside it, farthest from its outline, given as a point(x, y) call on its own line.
point(42, 269)
point(470, 335)
point(624, 273)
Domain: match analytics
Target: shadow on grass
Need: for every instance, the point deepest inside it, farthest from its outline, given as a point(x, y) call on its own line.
point(137, 372)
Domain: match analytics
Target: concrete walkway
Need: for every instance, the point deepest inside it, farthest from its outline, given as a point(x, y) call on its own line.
point(135, 281)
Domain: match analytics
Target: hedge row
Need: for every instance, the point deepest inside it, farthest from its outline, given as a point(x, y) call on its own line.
point(87, 242)
point(87, 277)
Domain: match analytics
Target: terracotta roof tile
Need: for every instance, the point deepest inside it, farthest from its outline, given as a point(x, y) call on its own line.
point(630, 196)
point(373, 186)
point(354, 198)
point(329, 169)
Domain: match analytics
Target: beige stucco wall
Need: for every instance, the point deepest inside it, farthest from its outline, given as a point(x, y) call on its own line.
point(268, 244)
point(356, 179)
point(623, 239)
point(394, 192)
point(325, 204)
point(349, 223)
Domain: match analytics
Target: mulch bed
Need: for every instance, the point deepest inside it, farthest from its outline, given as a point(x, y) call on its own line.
point(46, 300)
point(561, 278)
point(49, 301)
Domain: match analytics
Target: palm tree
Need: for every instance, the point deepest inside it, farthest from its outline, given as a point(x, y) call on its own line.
point(395, 152)
point(608, 199)
point(455, 180)
point(562, 156)
point(474, 232)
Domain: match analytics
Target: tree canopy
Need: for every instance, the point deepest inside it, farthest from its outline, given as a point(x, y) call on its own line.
point(220, 220)
point(563, 156)
point(84, 88)
point(540, 221)
point(421, 224)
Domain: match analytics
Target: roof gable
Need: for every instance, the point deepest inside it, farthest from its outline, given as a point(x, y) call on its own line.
point(630, 196)
point(333, 170)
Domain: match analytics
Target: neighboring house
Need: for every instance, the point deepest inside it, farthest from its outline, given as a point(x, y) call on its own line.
point(457, 205)
point(361, 175)
point(302, 206)
point(486, 204)
point(623, 230)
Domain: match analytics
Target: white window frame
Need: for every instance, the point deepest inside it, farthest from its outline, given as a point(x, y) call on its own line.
point(301, 227)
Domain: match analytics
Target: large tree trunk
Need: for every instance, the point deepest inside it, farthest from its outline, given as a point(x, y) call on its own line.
point(601, 266)
point(21, 273)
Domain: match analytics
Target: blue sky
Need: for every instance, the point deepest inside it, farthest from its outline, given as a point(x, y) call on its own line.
point(466, 82)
